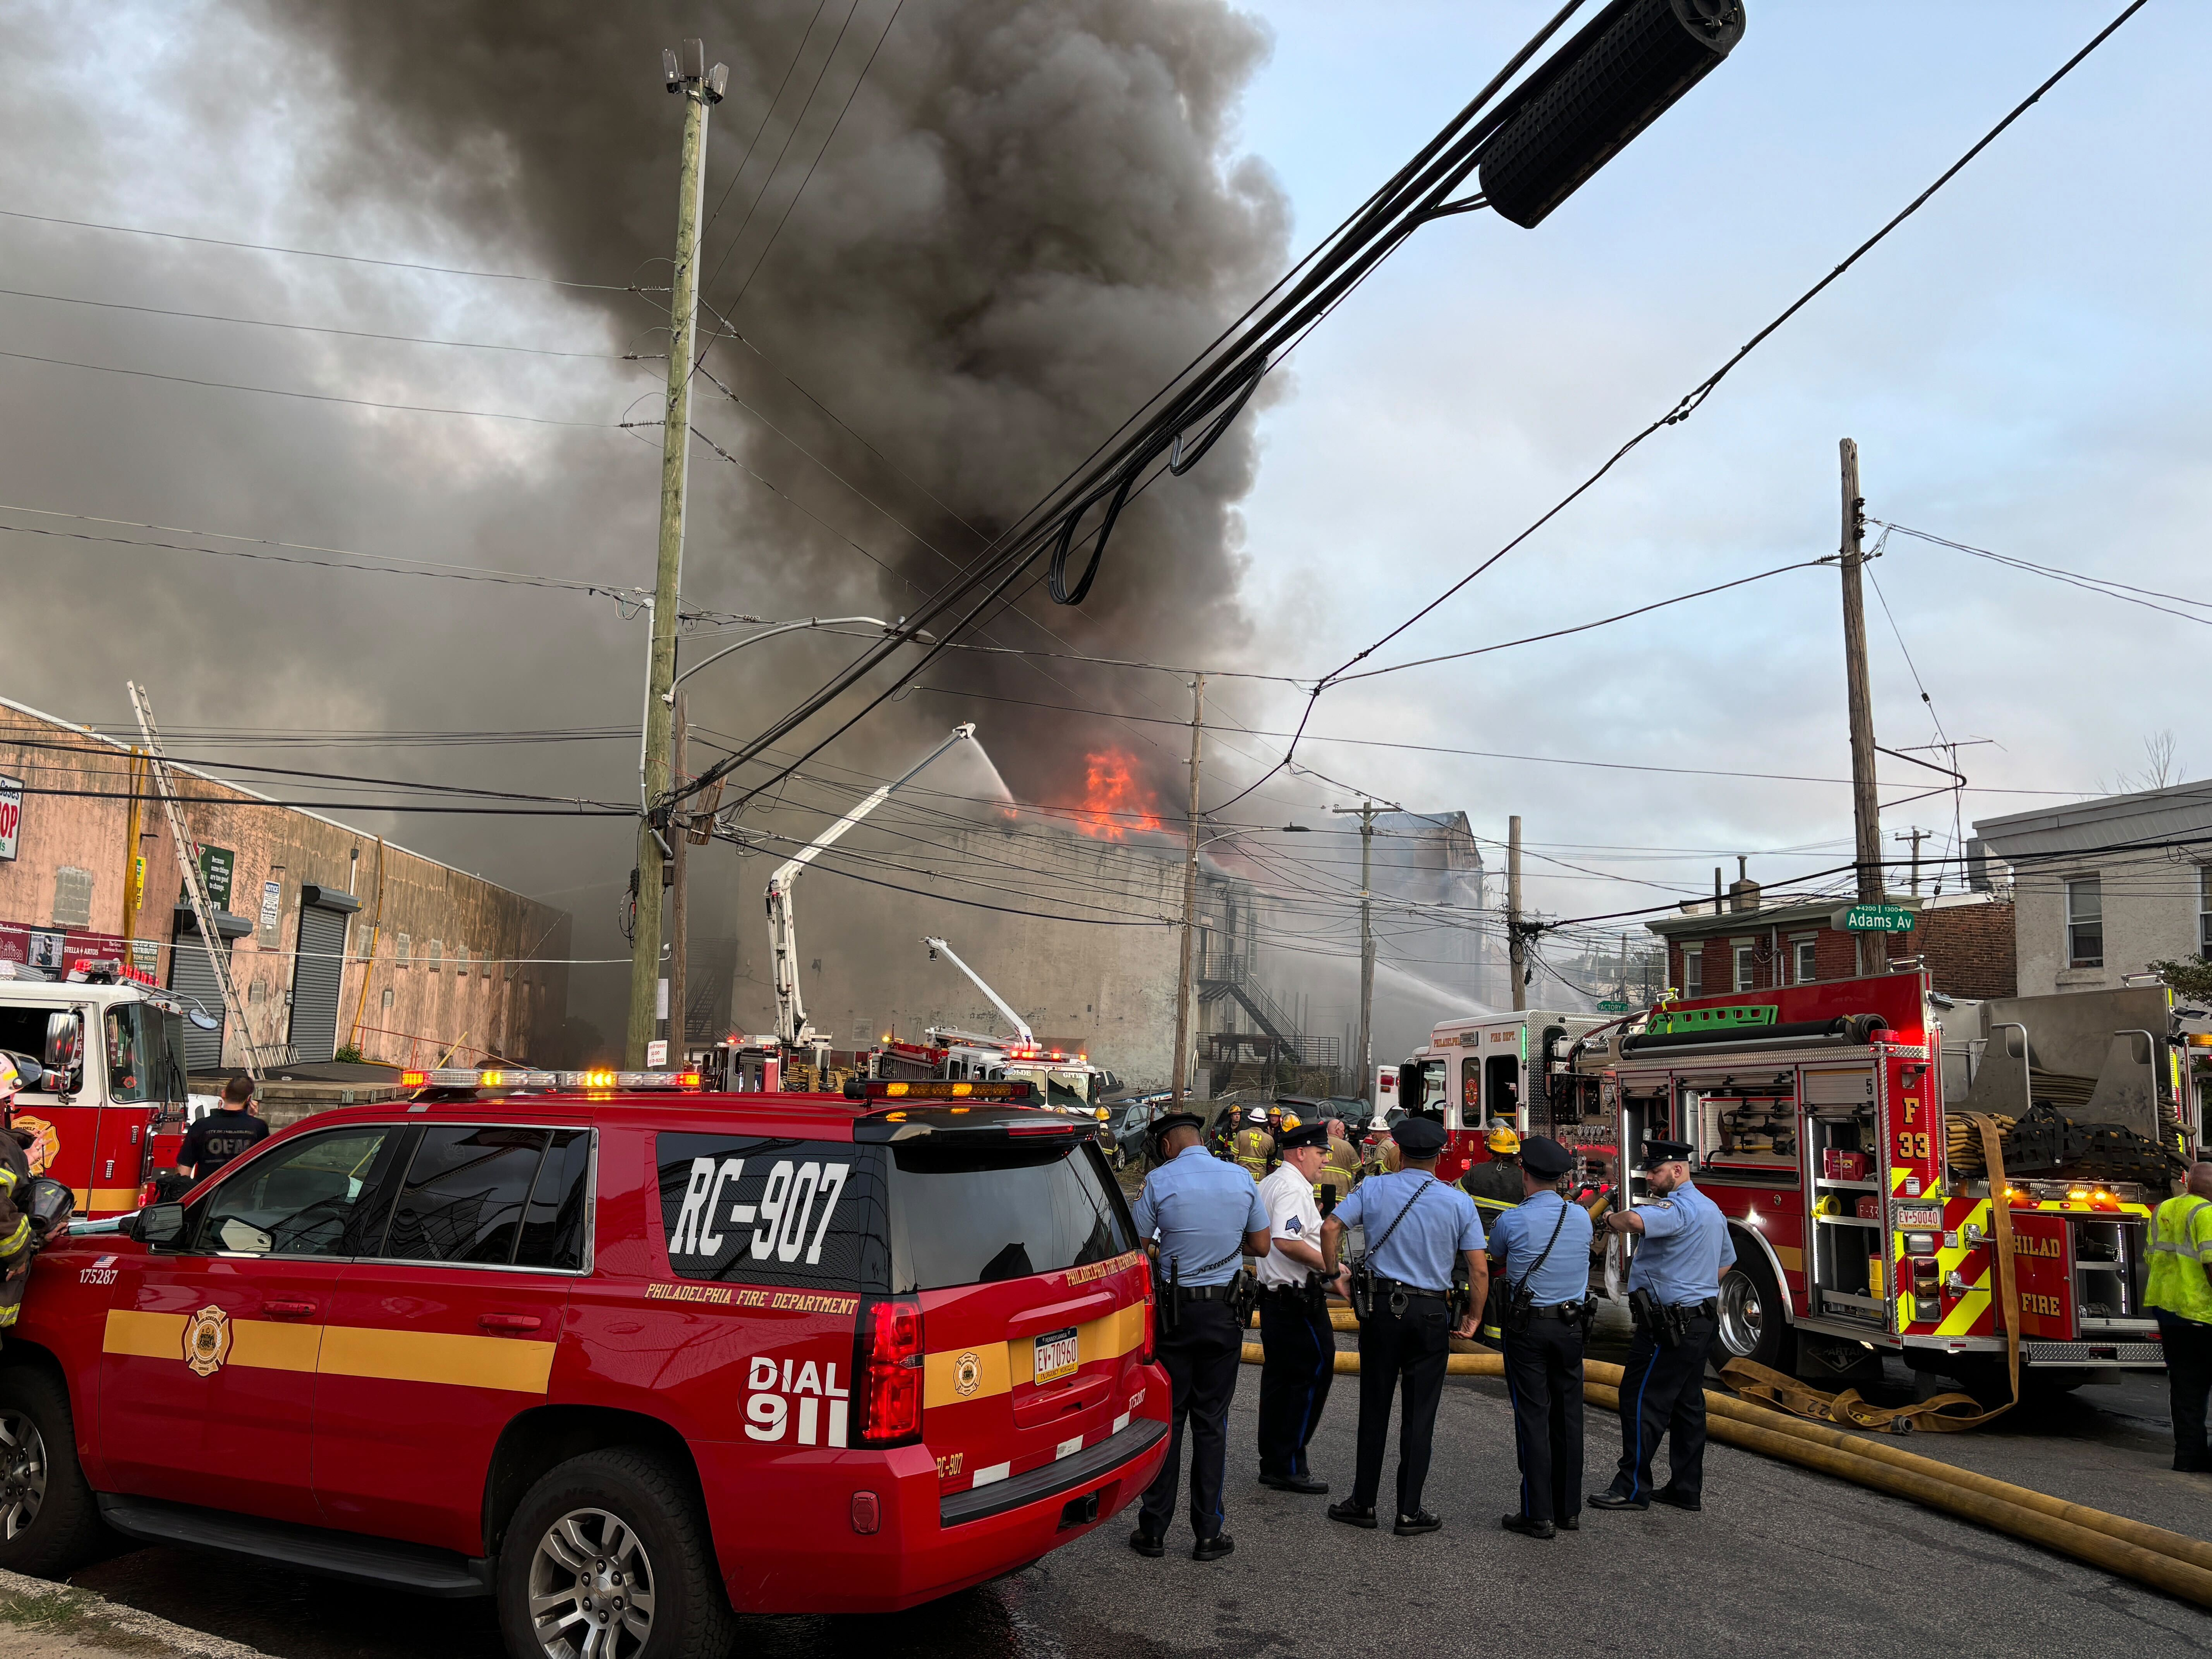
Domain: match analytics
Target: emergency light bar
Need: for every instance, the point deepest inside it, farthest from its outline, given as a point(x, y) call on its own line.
point(463, 1077)
point(918, 1091)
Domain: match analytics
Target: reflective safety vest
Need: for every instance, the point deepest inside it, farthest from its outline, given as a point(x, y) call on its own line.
point(15, 1222)
point(1341, 1169)
point(2180, 1252)
point(1253, 1150)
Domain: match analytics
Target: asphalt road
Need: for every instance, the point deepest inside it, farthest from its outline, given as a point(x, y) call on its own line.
point(1781, 1561)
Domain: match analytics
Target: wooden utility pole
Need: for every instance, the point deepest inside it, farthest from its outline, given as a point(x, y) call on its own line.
point(1516, 944)
point(701, 89)
point(1916, 836)
point(679, 841)
point(133, 885)
point(1179, 1083)
point(1866, 809)
point(1366, 810)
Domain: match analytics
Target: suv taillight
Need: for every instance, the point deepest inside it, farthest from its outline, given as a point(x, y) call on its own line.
point(887, 1372)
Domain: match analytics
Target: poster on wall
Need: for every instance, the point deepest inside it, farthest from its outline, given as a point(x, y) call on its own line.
point(53, 949)
point(11, 815)
point(216, 866)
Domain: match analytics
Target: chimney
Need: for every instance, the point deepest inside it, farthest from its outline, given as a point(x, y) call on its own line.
point(1743, 892)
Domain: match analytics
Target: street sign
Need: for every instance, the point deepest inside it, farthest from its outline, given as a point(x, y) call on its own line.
point(656, 1051)
point(1878, 918)
point(1612, 1005)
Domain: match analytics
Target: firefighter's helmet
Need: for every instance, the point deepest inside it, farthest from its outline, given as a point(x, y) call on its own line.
point(1502, 1142)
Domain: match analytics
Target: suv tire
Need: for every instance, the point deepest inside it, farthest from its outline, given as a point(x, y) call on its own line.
point(48, 1521)
point(619, 1538)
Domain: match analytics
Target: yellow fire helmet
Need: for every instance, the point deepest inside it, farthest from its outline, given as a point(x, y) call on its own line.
point(1287, 1121)
point(1502, 1142)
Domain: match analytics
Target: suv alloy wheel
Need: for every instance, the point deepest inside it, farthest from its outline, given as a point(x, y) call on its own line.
point(49, 1522)
point(608, 1557)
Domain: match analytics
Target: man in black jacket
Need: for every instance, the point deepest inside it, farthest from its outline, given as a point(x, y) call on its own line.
point(222, 1134)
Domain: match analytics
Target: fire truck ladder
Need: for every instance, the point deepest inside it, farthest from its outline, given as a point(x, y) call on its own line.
point(188, 860)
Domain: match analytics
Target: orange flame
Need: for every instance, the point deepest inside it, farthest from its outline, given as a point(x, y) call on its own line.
point(1113, 804)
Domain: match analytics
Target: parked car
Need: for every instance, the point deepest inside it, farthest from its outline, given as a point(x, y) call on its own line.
point(1132, 1121)
point(629, 1363)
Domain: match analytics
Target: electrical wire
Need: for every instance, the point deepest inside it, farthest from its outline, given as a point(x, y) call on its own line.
point(1692, 400)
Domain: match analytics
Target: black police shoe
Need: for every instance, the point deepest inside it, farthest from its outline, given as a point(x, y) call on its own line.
point(1673, 1499)
point(1610, 1499)
point(1298, 1483)
point(1420, 1520)
point(1570, 1524)
point(1146, 1544)
point(1213, 1548)
point(1527, 1528)
point(1353, 1515)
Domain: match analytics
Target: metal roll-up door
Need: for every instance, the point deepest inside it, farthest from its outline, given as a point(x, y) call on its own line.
point(192, 976)
point(315, 977)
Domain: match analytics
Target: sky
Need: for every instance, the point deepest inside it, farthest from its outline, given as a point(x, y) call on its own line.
point(2021, 365)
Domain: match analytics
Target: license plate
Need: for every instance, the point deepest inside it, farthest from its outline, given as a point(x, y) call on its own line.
point(1929, 1217)
point(1055, 1355)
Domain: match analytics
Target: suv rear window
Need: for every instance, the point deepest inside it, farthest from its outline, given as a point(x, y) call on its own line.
point(836, 1216)
point(1009, 1212)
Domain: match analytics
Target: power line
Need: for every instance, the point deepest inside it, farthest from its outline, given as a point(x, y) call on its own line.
point(312, 328)
point(316, 253)
point(308, 397)
point(1691, 401)
point(2110, 589)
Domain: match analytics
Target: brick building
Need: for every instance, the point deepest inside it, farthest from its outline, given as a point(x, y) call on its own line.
point(1742, 942)
point(335, 938)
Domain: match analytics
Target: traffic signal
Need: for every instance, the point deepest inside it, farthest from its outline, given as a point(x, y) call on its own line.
point(1595, 94)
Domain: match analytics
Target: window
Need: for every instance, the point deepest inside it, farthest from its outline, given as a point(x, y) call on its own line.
point(1744, 968)
point(304, 1199)
point(130, 1054)
point(1693, 971)
point(984, 1215)
point(400, 957)
point(2205, 909)
point(775, 1212)
point(437, 953)
point(1808, 968)
point(2085, 922)
point(467, 1192)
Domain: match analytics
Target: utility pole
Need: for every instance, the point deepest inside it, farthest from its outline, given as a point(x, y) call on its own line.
point(701, 89)
point(1916, 836)
point(1366, 810)
point(1179, 1083)
point(1517, 943)
point(679, 892)
point(1866, 810)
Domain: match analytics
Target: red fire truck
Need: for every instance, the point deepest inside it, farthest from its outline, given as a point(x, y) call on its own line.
point(1817, 1117)
point(1515, 1068)
point(109, 1048)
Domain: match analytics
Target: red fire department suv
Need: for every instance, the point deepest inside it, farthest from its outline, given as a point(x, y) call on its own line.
point(627, 1362)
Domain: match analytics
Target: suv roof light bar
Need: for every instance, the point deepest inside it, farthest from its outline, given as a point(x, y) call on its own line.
point(594, 1082)
point(1019, 1091)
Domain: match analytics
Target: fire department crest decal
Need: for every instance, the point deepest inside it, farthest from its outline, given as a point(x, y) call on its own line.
point(207, 1340)
point(967, 1374)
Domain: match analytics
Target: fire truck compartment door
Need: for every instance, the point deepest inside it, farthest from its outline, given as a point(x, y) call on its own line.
point(209, 1354)
point(1842, 1086)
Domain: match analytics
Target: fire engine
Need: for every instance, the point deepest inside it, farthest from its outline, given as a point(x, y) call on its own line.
point(1514, 1068)
point(1861, 1210)
point(107, 1048)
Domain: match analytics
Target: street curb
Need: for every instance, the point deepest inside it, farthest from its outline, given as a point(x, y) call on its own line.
point(130, 1620)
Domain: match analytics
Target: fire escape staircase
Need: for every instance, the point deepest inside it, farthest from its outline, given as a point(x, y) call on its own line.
point(1232, 978)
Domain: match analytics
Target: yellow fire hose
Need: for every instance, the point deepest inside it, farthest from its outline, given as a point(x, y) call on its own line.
point(2152, 1555)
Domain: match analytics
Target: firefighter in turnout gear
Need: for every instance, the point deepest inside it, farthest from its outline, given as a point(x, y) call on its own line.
point(1495, 1187)
point(1340, 1169)
point(1253, 1147)
point(18, 1240)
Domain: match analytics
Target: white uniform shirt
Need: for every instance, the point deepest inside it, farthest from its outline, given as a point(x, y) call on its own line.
point(1291, 1214)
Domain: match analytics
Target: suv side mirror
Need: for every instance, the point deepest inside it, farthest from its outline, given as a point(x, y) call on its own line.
point(158, 1225)
point(65, 1044)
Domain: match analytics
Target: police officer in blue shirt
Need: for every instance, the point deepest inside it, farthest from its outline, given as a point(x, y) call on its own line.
point(1207, 1217)
point(1541, 1246)
point(1418, 1230)
point(1673, 1296)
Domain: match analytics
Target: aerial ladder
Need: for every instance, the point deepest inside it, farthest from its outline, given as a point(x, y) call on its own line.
point(791, 1027)
point(937, 947)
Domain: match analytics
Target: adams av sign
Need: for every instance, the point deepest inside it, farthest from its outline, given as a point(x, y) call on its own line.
point(1875, 919)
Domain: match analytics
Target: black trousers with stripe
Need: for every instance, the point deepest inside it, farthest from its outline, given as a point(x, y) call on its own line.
point(1294, 1378)
point(1201, 1358)
point(1662, 1396)
point(1544, 1375)
point(1403, 1354)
